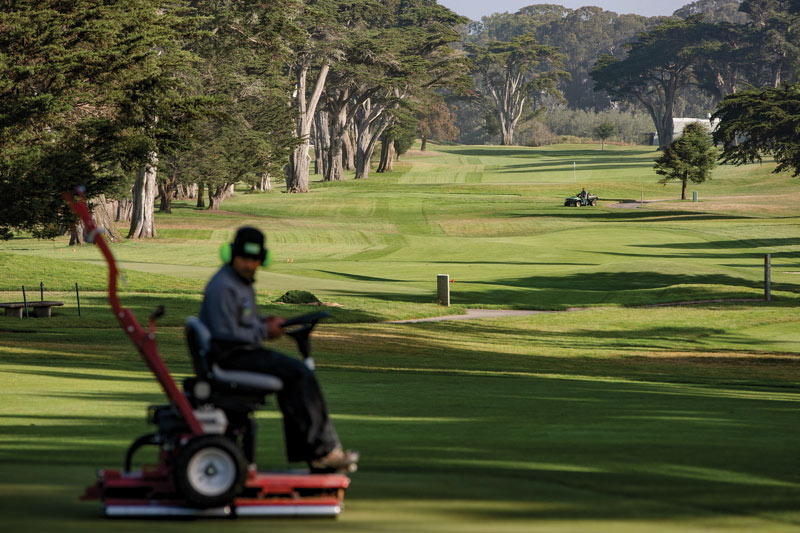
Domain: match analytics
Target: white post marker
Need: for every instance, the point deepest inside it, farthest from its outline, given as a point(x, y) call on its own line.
point(443, 289)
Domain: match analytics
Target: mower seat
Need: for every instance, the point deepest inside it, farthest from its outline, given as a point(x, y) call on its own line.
point(233, 381)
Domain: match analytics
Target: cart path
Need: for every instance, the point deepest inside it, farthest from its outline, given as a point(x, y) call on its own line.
point(499, 313)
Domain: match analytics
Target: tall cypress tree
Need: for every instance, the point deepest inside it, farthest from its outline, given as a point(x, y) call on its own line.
point(691, 157)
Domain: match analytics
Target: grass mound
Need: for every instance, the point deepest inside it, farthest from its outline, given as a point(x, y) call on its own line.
point(298, 297)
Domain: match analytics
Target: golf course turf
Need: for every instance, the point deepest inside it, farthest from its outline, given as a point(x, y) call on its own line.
point(613, 412)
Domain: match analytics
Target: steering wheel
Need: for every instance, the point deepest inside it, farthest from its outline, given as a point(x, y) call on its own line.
point(307, 319)
point(300, 334)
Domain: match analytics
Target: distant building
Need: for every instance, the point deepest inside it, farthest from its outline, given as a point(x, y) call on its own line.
point(679, 124)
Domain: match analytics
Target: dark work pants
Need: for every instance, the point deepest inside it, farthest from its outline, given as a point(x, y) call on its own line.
point(307, 428)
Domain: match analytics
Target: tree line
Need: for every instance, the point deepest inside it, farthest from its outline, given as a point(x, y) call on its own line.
point(186, 98)
point(171, 98)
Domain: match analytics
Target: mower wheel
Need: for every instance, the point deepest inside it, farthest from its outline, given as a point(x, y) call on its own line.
point(594, 202)
point(210, 470)
point(578, 204)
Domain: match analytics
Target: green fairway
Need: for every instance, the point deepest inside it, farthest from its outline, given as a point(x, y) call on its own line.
point(617, 415)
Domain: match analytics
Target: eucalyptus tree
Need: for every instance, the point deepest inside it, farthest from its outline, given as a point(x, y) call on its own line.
point(418, 34)
point(514, 75)
point(728, 60)
point(657, 66)
point(397, 51)
point(773, 25)
point(582, 35)
point(714, 11)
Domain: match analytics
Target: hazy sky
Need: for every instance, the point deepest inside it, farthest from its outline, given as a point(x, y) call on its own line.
point(475, 9)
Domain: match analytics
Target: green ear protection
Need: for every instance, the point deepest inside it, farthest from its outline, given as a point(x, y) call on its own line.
point(226, 254)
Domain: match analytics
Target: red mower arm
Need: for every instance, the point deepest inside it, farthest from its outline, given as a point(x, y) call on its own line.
point(144, 341)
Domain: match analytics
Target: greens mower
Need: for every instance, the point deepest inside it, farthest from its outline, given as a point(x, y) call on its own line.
point(204, 435)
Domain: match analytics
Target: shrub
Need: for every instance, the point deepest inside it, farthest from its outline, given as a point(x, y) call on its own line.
point(298, 297)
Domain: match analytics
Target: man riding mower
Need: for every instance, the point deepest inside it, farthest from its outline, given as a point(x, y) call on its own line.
point(204, 435)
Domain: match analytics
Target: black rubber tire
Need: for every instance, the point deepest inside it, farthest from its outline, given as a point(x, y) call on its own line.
point(210, 471)
point(594, 203)
point(577, 204)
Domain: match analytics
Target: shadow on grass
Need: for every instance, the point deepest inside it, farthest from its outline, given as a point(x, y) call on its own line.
point(552, 167)
point(711, 255)
point(589, 288)
point(739, 243)
point(617, 281)
point(589, 154)
point(501, 448)
point(622, 215)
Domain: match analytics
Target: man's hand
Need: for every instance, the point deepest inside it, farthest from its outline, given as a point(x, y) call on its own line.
point(274, 326)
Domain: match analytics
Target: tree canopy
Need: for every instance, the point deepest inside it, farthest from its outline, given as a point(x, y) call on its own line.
point(76, 80)
point(657, 66)
point(514, 74)
point(759, 122)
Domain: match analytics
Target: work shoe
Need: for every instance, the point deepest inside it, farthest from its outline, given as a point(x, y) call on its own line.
point(338, 460)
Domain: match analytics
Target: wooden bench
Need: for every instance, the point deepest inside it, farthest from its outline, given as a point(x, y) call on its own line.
point(41, 309)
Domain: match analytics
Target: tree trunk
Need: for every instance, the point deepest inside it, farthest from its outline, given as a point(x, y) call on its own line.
point(216, 195)
point(508, 137)
point(201, 191)
point(424, 143)
point(683, 187)
point(168, 190)
point(371, 125)
point(349, 154)
point(299, 161)
point(124, 210)
point(334, 170)
point(365, 146)
point(322, 143)
point(386, 163)
point(299, 166)
point(363, 154)
point(185, 191)
point(103, 219)
point(144, 195)
point(265, 183)
point(77, 233)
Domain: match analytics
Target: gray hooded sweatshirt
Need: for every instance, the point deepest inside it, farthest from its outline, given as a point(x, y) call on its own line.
point(229, 309)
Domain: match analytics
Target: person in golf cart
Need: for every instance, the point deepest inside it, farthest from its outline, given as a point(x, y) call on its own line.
point(237, 332)
point(583, 195)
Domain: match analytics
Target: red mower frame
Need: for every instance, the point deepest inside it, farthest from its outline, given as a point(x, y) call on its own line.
point(153, 490)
